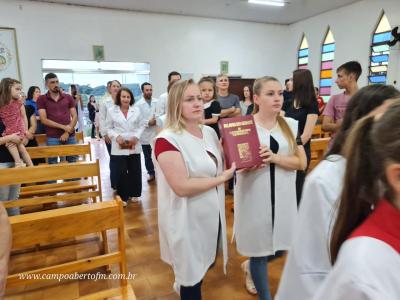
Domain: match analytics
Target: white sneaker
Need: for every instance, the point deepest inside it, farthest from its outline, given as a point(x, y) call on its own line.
point(249, 281)
point(124, 204)
point(177, 288)
point(134, 199)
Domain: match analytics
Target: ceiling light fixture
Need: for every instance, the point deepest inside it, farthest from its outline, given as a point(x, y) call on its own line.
point(267, 2)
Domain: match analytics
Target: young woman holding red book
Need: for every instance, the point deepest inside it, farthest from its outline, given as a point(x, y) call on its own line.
point(265, 198)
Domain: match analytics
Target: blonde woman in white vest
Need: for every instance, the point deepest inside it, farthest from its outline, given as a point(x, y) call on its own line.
point(191, 206)
point(265, 198)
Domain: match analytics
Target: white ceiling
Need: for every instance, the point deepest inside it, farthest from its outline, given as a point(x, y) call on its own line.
point(294, 11)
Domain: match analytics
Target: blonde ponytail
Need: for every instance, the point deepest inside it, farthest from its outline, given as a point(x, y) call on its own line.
point(288, 133)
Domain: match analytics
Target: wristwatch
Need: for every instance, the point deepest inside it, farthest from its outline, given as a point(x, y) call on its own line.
point(299, 141)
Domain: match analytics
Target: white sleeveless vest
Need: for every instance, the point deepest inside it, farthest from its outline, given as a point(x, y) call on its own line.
point(188, 227)
point(254, 231)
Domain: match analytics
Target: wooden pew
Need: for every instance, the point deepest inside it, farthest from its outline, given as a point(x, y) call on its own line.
point(41, 139)
point(49, 193)
point(56, 225)
point(318, 149)
point(82, 150)
point(42, 194)
point(317, 132)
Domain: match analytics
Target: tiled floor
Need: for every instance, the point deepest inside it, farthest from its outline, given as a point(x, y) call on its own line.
point(153, 278)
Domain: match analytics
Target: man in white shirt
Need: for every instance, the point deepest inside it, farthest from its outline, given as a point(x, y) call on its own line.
point(163, 99)
point(104, 104)
point(147, 106)
point(113, 87)
point(106, 95)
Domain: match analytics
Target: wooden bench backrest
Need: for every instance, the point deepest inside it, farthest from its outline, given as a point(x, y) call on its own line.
point(60, 224)
point(49, 172)
point(65, 197)
point(46, 227)
point(61, 150)
point(318, 149)
point(41, 139)
point(319, 144)
point(317, 132)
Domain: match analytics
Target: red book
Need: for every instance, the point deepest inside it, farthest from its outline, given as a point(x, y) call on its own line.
point(240, 141)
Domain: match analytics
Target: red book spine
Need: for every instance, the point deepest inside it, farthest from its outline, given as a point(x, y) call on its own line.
point(240, 141)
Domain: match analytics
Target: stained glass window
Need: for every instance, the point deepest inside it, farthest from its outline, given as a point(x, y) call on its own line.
point(302, 54)
point(379, 58)
point(327, 57)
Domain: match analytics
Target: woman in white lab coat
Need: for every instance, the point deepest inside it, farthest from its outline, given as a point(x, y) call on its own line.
point(124, 127)
point(308, 264)
point(367, 228)
point(191, 199)
point(265, 198)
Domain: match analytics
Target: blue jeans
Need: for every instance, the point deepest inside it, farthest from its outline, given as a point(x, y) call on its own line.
point(51, 141)
point(9, 192)
point(259, 273)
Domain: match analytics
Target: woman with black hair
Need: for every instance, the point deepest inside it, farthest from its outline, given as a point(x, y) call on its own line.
point(93, 110)
point(32, 97)
point(246, 104)
point(74, 91)
point(304, 109)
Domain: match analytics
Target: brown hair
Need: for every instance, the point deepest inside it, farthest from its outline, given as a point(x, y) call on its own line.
point(287, 132)
point(209, 80)
point(118, 97)
point(5, 90)
point(370, 146)
point(175, 120)
point(303, 88)
point(251, 93)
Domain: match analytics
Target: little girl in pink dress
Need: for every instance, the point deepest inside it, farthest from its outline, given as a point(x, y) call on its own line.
point(13, 116)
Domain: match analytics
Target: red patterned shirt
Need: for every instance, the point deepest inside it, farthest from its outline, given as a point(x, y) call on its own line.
point(12, 119)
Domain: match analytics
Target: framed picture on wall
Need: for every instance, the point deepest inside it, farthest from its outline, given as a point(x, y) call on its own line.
point(98, 53)
point(9, 60)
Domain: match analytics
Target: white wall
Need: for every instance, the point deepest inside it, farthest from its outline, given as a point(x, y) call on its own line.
point(187, 44)
point(352, 27)
point(191, 44)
